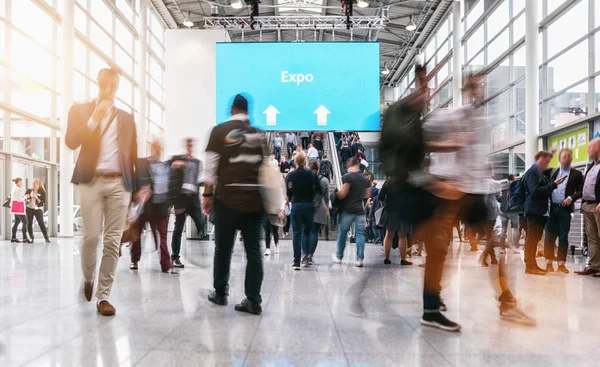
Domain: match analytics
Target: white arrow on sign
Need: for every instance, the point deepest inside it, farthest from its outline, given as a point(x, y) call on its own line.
point(322, 113)
point(271, 113)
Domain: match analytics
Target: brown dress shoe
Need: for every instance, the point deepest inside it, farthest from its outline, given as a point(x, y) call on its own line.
point(105, 308)
point(88, 288)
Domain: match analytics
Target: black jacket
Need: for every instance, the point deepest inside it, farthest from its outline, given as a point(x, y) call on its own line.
point(539, 188)
point(176, 181)
point(574, 187)
point(41, 196)
point(597, 187)
point(79, 135)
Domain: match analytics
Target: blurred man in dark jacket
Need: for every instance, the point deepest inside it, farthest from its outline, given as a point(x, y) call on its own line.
point(184, 190)
point(153, 174)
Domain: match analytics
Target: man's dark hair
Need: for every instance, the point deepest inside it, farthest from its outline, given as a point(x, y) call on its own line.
point(511, 177)
point(419, 69)
point(542, 154)
point(240, 103)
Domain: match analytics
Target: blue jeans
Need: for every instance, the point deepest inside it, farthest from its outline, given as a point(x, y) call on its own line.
point(558, 225)
point(302, 221)
point(513, 218)
point(314, 237)
point(346, 221)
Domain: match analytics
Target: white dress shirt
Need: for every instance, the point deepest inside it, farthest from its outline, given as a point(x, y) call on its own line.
point(108, 157)
point(313, 153)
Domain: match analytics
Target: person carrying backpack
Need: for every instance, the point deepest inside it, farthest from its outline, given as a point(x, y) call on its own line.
point(509, 215)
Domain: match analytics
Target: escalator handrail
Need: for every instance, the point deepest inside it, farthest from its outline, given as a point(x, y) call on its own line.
point(335, 160)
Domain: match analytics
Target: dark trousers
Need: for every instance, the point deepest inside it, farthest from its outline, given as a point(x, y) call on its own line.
point(291, 147)
point(302, 222)
point(535, 228)
point(314, 237)
point(288, 223)
point(39, 216)
point(227, 222)
point(277, 153)
point(558, 225)
point(192, 208)
point(157, 224)
point(271, 230)
point(23, 220)
point(305, 142)
point(488, 227)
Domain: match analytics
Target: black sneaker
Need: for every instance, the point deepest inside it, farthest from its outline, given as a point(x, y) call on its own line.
point(27, 241)
point(14, 240)
point(217, 299)
point(405, 263)
point(310, 261)
point(387, 262)
point(438, 320)
point(177, 263)
point(296, 265)
point(249, 307)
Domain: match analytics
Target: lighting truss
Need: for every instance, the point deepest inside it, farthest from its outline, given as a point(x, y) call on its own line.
point(295, 22)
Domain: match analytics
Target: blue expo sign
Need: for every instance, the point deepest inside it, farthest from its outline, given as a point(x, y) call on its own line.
point(303, 85)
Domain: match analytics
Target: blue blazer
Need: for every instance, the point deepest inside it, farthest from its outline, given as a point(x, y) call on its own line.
point(79, 135)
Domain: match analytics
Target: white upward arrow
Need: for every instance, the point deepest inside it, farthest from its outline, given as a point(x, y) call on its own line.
point(322, 113)
point(271, 113)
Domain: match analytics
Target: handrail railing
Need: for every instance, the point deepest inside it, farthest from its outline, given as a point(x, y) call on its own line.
point(335, 160)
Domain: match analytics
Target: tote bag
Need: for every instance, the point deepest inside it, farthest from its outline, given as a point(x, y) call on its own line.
point(17, 207)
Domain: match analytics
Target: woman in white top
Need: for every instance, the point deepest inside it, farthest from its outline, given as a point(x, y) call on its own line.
point(35, 208)
point(17, 208)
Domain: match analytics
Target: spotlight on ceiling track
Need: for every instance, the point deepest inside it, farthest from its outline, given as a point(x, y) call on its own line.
point(214, 10)
point(411, 26)
point(237, 4)
point(362, 4)
point(187, 22)
point(385, 71)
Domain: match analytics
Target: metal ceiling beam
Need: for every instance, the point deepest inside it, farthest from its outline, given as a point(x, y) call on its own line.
point(294, 22)
point(162, 9)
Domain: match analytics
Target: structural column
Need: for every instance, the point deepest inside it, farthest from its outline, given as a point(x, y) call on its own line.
point(66, 154)
point(456, 54)
point(532, 83)
point(142, 123)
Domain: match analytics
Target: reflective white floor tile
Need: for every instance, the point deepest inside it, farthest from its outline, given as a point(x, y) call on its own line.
point(295, 360)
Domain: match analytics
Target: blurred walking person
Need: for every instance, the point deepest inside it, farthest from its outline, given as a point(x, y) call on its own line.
point(393, 223)
point(17, 208)
point(105, 173)
point(291, 143)
point(591, 210)
point(35, 208)
point(321, 207)
point(302, 186)
point(234, 155)
point(184, 187)
point(153, 175)
point(355, 188)
point(277, 144)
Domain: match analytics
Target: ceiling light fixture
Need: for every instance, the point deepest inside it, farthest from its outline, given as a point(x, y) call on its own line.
point(362, 4)
point(237, 4)
point(385, 71)
point(187, 22)
point(411, 26)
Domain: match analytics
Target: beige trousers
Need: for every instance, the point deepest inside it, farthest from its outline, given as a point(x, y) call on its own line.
point(104, 204)
point(592, 227)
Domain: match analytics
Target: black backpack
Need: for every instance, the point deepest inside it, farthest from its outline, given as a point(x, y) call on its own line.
point(401, 147)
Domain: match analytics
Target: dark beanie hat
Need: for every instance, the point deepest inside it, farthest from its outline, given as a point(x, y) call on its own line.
point(240, 102)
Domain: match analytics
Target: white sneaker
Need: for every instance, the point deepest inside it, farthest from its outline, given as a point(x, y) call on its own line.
point(358, 263)
point(268, 252)
point(513, 313)
point(276, 248)
point(335, 259)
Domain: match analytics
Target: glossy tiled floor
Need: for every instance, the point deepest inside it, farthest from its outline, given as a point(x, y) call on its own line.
point(330, 315)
